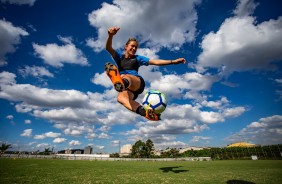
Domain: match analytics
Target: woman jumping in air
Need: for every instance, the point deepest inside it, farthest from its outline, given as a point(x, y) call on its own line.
point(125, 77)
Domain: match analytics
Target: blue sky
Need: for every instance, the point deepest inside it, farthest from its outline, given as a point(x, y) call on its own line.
point(54, 93)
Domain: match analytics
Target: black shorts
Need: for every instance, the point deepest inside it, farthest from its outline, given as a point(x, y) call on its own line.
point(140, 90)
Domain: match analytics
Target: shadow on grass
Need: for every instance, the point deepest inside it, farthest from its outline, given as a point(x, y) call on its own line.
point(173, 169)
point(238, 182)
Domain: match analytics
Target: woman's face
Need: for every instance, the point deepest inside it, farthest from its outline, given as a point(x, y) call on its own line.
point(131, 48)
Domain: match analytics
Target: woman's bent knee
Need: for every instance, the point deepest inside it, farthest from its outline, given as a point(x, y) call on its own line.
point(121, 98)
point(125, 97)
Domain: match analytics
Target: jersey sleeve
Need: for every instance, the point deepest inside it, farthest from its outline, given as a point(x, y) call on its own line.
point(142, 60)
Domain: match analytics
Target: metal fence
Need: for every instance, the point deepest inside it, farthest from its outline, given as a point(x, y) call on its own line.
point(97, 158)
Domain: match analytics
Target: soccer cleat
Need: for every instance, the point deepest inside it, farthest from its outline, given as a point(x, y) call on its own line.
point(151, 115)
point(113, 73)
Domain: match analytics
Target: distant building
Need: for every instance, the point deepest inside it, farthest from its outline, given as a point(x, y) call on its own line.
point(157, 152)
point(61, 152)
point(88, 150)
point(68, 151)
point(125, 150)
point(77, 151)
point(241, 144)
point(74, 151)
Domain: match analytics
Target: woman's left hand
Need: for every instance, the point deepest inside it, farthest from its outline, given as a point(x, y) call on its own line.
point(179, 60)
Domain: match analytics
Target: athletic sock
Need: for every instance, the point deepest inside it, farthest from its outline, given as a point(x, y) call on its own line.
point(126, 83)
point(140, 110)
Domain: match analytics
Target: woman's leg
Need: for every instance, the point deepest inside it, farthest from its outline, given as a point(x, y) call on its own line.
point(134, 82)
point(126, 97)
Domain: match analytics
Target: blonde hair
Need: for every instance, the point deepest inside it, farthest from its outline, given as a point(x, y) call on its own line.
point(132, 40)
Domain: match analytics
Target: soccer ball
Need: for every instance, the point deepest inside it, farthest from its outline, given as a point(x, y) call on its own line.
point(155, 100)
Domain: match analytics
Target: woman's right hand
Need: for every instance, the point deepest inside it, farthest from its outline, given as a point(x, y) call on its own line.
point(113, 30)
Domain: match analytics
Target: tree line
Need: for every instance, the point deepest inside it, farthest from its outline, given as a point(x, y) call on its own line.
point(146, 150)
point(142, 149)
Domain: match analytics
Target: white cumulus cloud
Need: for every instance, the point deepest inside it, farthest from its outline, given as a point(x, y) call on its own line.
point(156, 33)
point(7, 78)
point(241, 45)
point(74, 143)
point(10, 37)
point(59, 140)
point(27, 133)
point(200, 139)
point(264, 131)
point(245, 8)
point(56, 55)
point(47, 134)
point(10, 117)
point(175, 85)
point(33, 95)
point(35, 71)
point(19, 2)
point(27, 121)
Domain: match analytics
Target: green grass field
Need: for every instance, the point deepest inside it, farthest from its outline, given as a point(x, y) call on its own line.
point(75, 171)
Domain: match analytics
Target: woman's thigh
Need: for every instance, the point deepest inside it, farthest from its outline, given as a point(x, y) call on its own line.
point(134, 82)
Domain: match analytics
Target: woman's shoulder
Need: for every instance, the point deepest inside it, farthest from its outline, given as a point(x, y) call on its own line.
point(141, 57)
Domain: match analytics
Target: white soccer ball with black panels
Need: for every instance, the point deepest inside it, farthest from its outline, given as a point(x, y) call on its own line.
point(155, 100)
